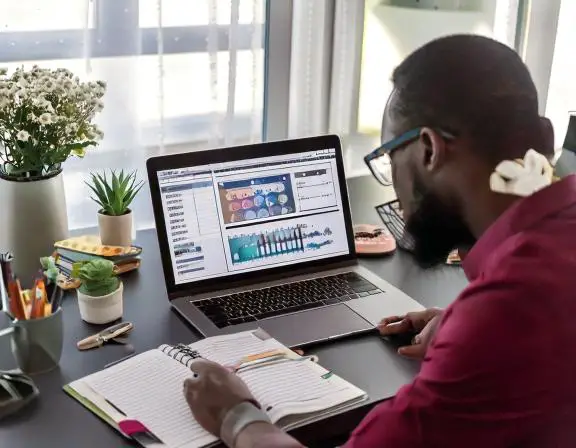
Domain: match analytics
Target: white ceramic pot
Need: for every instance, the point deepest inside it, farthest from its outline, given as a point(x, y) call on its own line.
point(115, 230)
point(32, 218)
point(103, 309)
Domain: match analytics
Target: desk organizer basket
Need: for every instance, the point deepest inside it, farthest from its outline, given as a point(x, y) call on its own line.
point(392, 217)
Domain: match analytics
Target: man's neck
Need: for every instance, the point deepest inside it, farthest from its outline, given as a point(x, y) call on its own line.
point(484, 209)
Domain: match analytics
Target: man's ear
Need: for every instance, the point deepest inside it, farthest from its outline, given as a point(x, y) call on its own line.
point(434, 149)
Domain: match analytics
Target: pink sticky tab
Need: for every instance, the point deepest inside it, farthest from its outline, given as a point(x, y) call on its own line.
point(131, 427)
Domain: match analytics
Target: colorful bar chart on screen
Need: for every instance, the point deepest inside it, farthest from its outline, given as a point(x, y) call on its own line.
point(290, 240)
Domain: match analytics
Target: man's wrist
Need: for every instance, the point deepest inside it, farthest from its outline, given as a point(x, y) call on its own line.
point(238, 418)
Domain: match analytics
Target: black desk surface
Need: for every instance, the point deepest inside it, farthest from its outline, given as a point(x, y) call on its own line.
point(57, 420)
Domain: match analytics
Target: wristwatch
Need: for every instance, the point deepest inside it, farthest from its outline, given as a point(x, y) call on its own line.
point(238, 418)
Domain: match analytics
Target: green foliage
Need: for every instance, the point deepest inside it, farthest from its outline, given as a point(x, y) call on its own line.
point(97, 277)
point(50, 269)
point(115, 194)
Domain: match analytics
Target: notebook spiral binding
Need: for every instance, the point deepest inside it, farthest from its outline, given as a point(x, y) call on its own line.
point(181, 353)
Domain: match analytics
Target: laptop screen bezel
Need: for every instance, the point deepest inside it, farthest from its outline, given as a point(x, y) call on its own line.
point(246, 152)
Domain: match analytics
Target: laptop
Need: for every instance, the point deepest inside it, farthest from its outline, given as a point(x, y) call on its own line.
point(260, 236)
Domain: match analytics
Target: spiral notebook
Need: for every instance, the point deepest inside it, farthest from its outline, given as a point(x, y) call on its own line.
point(147, 388)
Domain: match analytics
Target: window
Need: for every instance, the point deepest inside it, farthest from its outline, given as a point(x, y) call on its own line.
point(182, 75)
point(379, 35)
point(561, 100)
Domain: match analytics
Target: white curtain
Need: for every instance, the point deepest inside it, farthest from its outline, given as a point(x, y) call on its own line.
point(182, 75)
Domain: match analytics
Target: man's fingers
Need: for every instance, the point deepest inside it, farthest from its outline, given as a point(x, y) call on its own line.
point(396, 327)
point(201, 366)
point(416, 351)
point(390, 320)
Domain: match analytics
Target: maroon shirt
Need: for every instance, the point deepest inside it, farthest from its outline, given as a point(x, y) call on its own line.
point(501, 371)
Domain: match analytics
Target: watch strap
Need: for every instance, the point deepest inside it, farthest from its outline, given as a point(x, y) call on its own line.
point(238, 418)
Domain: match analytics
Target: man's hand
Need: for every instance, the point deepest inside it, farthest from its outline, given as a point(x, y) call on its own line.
point(212, 392)
point(424, 323)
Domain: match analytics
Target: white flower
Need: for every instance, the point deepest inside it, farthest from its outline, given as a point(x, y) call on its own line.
point(45, 118)
point(49, 86)
point(4, 102)
point(71, 128)
point(522, 177)
point(31, 117)
point(23, 136)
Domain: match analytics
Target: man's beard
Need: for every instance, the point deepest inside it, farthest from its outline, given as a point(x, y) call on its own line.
point(436, 228)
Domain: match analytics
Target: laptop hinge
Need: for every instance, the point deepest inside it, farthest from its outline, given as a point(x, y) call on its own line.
point(221, 285)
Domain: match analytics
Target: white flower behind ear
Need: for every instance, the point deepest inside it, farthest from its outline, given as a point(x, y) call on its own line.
point(522, 177)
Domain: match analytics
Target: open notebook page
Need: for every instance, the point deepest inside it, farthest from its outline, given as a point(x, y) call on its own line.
point(148, 388)
point(298, 387)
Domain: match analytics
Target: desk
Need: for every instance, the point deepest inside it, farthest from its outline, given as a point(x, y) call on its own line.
point(57, 420)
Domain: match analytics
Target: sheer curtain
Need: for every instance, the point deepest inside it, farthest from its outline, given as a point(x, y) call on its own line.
point(182, 75)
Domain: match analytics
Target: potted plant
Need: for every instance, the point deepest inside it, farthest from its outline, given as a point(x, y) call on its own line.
point(114, 195)
point(100, 291)
point(46, 116)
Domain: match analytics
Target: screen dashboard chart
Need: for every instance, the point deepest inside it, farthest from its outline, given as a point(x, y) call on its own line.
point(253, 214)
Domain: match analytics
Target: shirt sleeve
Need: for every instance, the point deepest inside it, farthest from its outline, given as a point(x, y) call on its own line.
point(481, 380)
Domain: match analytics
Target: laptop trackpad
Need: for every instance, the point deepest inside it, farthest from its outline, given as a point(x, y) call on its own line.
point(315, 325)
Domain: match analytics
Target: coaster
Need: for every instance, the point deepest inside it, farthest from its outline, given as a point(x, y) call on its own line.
point(373, 240)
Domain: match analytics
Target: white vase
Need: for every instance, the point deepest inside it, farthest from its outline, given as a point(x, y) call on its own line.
point(103, 309)
point(115, 230)
point(32, 218)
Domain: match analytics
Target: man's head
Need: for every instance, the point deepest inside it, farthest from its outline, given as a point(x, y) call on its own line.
point(479, 92)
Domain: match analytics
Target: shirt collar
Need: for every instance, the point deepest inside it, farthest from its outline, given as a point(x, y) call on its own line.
point(520, 216)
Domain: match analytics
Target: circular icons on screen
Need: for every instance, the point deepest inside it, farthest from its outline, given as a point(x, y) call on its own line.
point(271, 199)
point(275, 210)
point(249, 214)
point(258, 201)
point(282, 198)
point(263, 213)
point(237, 216)
point(247, 203)
point(234, 206)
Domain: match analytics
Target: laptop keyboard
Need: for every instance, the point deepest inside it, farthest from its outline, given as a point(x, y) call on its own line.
point(263, 303)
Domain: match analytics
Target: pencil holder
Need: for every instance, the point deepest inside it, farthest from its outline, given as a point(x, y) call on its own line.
point(37, 343)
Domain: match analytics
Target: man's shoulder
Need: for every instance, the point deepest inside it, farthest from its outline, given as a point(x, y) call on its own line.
point(533, 258)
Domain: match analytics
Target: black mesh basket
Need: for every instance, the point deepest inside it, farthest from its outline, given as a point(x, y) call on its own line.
point(391, 215)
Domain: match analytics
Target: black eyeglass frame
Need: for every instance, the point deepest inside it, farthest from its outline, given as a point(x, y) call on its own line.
point(402, 140)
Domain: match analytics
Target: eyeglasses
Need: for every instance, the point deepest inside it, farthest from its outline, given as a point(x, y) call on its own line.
point(379, 160)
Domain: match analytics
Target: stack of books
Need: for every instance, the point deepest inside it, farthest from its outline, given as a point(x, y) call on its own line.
point(86, 248)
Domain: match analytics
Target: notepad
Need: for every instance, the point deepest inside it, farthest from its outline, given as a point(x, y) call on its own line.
point(149, 387)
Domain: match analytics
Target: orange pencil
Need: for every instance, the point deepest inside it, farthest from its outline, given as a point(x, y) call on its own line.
point(16, 304)
point(42, 296)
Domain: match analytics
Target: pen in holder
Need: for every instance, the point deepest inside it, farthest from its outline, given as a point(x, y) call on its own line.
point(36, 343)
point(36, 329)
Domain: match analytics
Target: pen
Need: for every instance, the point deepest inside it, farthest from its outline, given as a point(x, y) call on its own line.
point(57, 295)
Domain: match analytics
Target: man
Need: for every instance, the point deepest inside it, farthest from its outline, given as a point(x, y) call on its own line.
point(498, 365)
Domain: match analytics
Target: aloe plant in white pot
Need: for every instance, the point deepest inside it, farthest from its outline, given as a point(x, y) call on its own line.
point(100, 293)
point(114, 195)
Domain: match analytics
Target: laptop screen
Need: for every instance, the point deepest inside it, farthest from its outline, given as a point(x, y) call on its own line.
point(255, 214)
